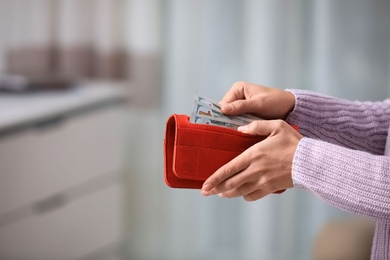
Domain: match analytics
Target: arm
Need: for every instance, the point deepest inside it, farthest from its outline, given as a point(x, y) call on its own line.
point(356, 125)
point(352, 180)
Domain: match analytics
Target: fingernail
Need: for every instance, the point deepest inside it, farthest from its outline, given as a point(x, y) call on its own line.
point(228, 107)
point(206, 187)
point(221, 195)
point(243, 128)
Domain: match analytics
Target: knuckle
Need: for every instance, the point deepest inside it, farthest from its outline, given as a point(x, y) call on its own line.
point(256, 126)
point(264, 181)
point(239, 84)
point(230, 170)
point(242, 190)
point(238, 105)
point(268, 183)
point(231, 184)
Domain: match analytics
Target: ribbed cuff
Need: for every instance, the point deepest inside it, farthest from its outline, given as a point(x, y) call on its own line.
point(352, 124)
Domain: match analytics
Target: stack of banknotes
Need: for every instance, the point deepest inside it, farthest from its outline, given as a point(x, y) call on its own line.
point(207, 111)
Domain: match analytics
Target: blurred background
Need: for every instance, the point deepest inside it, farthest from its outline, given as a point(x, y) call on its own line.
point(82, 122)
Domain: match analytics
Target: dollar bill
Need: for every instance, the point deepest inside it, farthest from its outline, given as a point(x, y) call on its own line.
point(201, 119)
point(207, 111)
point(214, 104)
point(207, 101)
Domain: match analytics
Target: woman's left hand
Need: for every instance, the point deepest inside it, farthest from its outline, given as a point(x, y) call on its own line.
point(262, 169)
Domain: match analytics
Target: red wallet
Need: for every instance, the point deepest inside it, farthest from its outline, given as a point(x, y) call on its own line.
point(192, 152)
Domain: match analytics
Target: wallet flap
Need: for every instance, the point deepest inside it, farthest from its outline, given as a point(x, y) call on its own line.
point(171, 179)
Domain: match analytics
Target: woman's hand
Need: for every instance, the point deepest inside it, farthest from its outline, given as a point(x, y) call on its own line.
point(268, 103)
point(261, 169)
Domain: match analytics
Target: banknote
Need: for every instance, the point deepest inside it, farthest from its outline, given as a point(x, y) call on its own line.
point(212, 103)
point(202, 119)
point(207, 111)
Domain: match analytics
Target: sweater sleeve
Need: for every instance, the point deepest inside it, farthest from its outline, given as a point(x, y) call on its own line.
point(352, 124)
point(355, 181)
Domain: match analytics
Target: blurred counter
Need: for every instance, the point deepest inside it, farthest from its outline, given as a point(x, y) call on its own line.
point(61, 167)
point(18, 109)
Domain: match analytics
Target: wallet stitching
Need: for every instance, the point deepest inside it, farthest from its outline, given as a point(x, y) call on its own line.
point(206, 148)
point(197, 164)
point(256, 138)
point(247, 137)
point(214, 128)
point(168, 166)
point(218, 130)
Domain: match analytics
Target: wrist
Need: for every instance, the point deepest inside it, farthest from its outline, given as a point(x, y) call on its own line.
point(289, 102)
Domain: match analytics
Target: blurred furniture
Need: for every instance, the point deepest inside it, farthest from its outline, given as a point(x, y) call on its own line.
point(61, 161)
point(345, 239)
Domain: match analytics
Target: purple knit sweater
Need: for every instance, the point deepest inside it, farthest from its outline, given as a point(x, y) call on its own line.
point(342, 157)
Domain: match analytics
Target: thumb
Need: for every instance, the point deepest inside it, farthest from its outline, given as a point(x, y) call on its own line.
point(237, 107)
point(262, 127)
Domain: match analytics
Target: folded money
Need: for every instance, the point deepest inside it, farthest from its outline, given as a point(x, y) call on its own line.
point(207, 111)
point(209, 120)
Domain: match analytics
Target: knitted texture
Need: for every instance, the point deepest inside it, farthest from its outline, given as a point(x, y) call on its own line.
point(353, 124)
point(341, 160)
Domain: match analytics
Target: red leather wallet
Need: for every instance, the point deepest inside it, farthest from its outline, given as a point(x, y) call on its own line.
point(192, 152)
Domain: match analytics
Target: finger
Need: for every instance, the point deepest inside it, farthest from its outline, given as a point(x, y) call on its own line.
point(236, 100)
point(238, 107)
point(241, 181)
point(238, 191)
point(230, 169)
point(236, 92)
point(263, 127)
point(256, 195)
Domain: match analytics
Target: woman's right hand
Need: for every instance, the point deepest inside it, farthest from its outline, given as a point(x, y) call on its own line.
point(265, 102)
